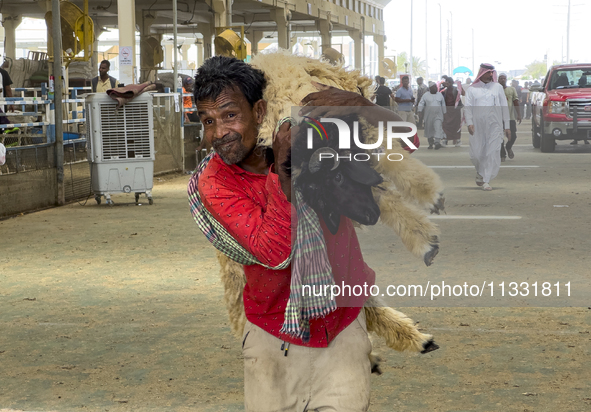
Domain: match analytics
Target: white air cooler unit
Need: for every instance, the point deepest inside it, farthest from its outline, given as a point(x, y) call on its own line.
point(121, 152)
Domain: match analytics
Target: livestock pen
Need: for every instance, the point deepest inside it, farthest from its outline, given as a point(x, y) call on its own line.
point(30, 179)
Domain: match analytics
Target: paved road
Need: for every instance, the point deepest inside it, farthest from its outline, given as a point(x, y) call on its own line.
point(531, 228)
point(121, 308)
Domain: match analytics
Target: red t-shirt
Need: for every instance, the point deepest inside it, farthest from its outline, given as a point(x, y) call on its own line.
point(254, 209)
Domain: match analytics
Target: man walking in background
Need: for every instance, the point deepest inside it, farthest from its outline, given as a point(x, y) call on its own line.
point(526, 112)
point(383, 93)
point(422, 89)
point(405, 99)
point(486, 114)
point(514, 113)
point(452, 121)
point(432, 106)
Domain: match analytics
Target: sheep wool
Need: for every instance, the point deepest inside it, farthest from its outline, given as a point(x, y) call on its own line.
point(411, 189)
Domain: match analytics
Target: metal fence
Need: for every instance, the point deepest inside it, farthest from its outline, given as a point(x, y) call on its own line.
point(29, 179)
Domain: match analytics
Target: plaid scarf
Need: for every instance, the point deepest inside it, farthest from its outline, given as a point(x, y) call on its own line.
point(310, 264)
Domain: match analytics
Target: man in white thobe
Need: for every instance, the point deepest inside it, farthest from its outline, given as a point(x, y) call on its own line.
point(487, 117)
point(433, 104)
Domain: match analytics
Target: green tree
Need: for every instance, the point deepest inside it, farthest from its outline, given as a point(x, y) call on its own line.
point(418, 65)
point(536, 69)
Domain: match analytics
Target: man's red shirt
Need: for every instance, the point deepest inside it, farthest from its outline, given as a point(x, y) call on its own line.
point(254, 209)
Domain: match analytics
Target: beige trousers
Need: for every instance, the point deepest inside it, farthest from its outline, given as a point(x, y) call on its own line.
point(335, 378)
point(407, 116)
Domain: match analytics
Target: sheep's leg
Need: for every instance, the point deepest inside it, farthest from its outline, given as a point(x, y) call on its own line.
point(396, 328)
point(414, 228)
point(415, 181)
point(233, 279)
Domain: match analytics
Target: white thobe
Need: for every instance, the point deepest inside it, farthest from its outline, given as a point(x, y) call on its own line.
point(486, 109)
point(434, 106)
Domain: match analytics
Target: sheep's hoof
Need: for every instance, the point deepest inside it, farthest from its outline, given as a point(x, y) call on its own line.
point(439, 206)
point(430, 255)
point(429, 346)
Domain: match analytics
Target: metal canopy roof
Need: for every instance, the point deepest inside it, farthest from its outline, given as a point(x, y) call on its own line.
point(250, 13)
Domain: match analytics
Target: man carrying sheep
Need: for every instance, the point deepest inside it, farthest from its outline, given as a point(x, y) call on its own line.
point(246, 193)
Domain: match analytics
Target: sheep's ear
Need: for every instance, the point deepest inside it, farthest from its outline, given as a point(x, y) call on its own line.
point(361, 172)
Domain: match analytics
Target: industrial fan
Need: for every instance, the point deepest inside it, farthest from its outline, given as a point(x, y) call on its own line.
point(77, 31)
point(388, 68)
point(152, 53)
point(333, 56)
point(229, 43)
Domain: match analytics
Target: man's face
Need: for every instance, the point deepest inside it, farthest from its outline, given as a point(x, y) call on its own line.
point(405, 83)
point(103, 69)
point(514, 83)
point(449, 83)
point(231, 125)
point(420, 82)
point(487, 77)
point(502, 81)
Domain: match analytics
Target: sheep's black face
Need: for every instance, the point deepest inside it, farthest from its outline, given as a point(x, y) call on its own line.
point(332, 182)
point(344, 191)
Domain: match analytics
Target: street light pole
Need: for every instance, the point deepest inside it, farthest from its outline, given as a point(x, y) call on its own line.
point(440, 43)
point(411, 3)
point(426, 42)
point(451, 54)
point(473, 67)
point(568, 35)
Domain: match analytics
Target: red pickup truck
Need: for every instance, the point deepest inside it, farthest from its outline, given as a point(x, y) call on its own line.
point(561, 108)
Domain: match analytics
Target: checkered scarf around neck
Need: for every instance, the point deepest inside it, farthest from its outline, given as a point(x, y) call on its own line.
point(310, 264)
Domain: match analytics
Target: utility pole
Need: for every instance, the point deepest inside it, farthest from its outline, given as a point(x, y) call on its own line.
point(568, 34)
point(440, 44)
point(411, 3)
point(426, 42)
point(448, 50)
point(451, 55)
point(473, 67)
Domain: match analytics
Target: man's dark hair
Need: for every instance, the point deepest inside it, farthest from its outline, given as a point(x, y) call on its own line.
point(108, 63)
point(382, 80)
point(221, 72)
point(404, 77)
point(419, 78)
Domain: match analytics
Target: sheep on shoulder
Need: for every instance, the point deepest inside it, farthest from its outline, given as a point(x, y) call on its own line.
point(330, 180)
point(412, 188)
point(407, 190)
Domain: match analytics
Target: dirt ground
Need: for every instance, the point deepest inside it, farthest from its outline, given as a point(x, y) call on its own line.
point(120, 308)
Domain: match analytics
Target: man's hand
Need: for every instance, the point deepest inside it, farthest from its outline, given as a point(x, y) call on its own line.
point(508, 133)
point(316, 103)
point(326, 102)
point(519, 118)
point(471, 129)
point(281, 146)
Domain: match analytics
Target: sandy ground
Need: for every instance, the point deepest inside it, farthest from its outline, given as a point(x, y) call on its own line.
point(120, 308)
